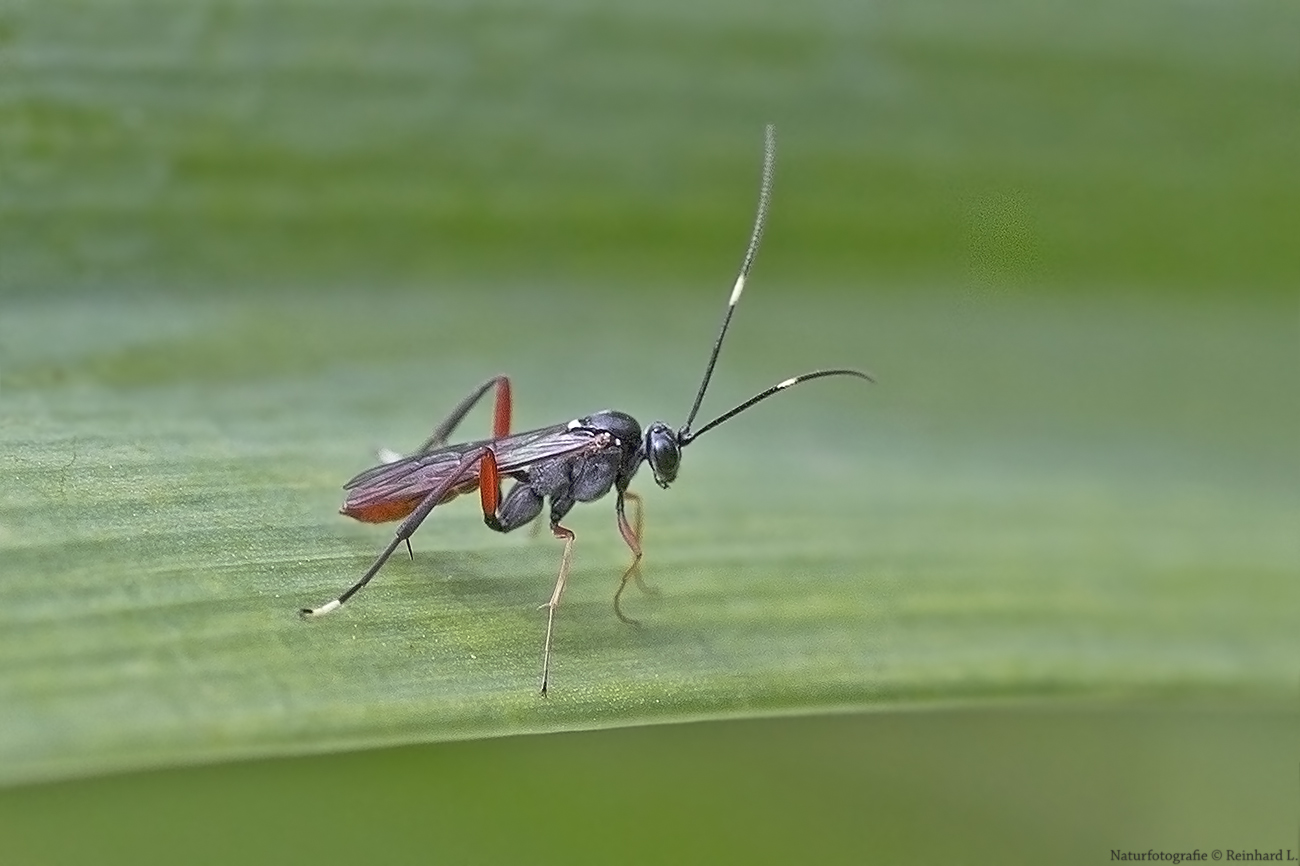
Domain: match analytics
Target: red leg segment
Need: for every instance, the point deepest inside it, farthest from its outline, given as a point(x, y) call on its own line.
point(489, 484)
point(501, 408)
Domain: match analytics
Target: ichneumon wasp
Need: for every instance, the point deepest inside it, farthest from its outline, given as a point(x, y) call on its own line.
point(577, 461)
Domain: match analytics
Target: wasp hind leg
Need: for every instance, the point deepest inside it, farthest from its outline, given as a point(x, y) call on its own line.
point(501, 412)
point(491, 494)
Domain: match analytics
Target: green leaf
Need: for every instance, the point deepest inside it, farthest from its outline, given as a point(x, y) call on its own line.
point(243, 249)
point(1011, 520)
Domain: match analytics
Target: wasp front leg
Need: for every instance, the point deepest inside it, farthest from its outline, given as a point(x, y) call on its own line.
point(631, 532)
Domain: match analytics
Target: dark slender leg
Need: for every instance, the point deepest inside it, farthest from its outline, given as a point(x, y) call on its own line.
point(464, 471)
point(632, 536)
point(567, 534)
point(500, 414)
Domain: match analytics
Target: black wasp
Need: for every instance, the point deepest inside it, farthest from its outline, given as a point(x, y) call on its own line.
point(578, 461)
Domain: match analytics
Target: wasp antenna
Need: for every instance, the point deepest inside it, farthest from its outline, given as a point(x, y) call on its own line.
point(760, 219)
point(758, 398)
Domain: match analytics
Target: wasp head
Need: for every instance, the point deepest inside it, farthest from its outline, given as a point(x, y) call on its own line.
point(662, 452)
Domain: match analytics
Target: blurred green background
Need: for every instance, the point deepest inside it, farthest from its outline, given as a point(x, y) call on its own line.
point(243, 242)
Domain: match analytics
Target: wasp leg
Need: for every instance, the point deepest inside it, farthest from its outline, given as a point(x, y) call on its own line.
point(520, 506)
point(567, 534)
point(638, 524)
point(463, 472)
point(501, 411)
point(631, 533)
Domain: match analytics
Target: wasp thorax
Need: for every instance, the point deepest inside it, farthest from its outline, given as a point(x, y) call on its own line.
point(662, 453)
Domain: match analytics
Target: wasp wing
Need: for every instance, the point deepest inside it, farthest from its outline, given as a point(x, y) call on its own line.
point(415, 476)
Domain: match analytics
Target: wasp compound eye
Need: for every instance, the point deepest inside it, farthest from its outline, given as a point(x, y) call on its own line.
point(663, 453)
